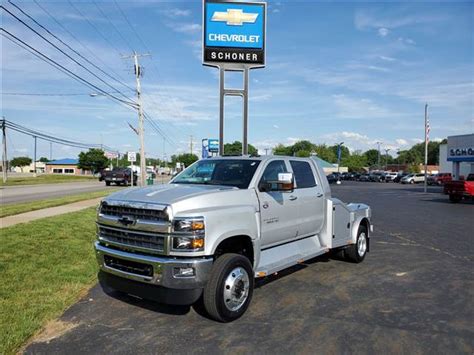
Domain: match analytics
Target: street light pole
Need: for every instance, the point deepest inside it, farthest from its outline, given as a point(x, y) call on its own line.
point(4, 153)
point(339, 152)
point(378, 155)
point(386, 158)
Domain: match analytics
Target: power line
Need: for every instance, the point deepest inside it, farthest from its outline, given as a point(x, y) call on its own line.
point(50, 138)
point(41, 94)
point(84, 46)
point(58, 66)
point(66, 54)
point(93, 26)
point(112, 24)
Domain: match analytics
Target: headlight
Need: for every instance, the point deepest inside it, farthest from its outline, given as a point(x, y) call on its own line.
point(193, 234)
point(195, 225)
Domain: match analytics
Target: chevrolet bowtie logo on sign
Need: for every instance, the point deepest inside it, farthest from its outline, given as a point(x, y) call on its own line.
point(234, 17)
point(234, 33)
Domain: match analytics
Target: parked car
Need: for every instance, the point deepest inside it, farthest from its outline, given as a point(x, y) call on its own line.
point(440, 179)
point(399, 177)
point(389, 176)
point(364, 177)
point(377, 176)
point(413, 179)
point(459, 189)
point(332, 179)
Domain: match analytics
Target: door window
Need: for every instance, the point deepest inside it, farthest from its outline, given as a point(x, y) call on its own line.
point(272, 170)
point(303, 174)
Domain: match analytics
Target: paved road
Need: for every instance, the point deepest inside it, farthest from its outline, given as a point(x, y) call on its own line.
point(413, 294)
point(16, 194)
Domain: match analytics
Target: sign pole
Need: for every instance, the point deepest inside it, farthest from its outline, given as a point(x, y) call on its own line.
point(245, 98)
point(221, 110)
point(426, 147)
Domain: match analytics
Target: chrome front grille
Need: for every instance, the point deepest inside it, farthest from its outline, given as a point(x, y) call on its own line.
point(143, 214)
point(132, 238)
point(134, 226)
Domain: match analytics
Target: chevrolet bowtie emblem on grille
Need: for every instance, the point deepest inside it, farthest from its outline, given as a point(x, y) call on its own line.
point(234, 17)
point(127, 221)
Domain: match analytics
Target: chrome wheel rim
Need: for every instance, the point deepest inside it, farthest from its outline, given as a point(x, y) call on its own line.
point(236, 289)
point(362, 244)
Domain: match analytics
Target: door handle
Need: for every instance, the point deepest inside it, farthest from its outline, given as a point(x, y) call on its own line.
point(292, 198)
point(319, 194)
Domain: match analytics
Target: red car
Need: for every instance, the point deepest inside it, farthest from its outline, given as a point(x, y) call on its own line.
point(440, 179)
point(459, 189)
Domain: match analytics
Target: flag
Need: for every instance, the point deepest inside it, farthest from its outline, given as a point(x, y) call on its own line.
point(427, 129)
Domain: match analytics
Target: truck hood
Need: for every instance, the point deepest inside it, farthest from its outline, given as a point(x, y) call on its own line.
point(165, 194)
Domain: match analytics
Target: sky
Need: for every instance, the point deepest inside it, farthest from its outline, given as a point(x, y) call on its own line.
point(352, 72)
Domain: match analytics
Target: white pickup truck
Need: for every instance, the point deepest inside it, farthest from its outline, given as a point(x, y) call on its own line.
point(220, 224)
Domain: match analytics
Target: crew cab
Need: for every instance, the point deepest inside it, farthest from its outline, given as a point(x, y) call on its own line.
point(218, 225)
point(459, 189)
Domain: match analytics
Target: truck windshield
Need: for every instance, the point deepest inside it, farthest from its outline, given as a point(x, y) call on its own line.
point(227, 172)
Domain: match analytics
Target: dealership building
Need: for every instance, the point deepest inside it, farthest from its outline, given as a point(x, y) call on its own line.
point(457, 156)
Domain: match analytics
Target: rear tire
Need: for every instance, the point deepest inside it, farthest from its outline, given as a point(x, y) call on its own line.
point(454, 198)
point(356, 252)
point(107, 183)
point(229, 290)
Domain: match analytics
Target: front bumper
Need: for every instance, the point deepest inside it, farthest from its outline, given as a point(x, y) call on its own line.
point(160, 271)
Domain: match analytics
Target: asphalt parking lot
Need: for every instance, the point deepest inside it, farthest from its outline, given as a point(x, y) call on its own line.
point(414, 293)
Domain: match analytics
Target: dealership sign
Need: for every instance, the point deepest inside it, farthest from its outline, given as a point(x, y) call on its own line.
point(234, 33)
point(461, 148)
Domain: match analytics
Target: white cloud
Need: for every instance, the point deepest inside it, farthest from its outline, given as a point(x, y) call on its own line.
point(364, 19)
point(187, 28)
point(175, 13)
point(401, 141)
point(383, 32)
point(276, 126)
point(388, 59)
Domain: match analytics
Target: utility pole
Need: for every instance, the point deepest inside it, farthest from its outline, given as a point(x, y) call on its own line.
point(191, 144)
point(34, 159)
point(4, 153)
point(426, 147)
point(138, 74)
point(378, 155)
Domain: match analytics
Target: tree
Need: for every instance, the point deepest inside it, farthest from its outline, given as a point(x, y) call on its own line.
point(236, 149)
point(355, 162)
point(280, 149)
point(372, 157)
point(44, 160)
point(187, 159)
point(93, 160)
point(325, 153)
point(20, 162)
point(344, 151)
point(302, 153)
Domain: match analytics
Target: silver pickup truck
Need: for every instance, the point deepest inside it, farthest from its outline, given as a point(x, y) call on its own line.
point(220, 224)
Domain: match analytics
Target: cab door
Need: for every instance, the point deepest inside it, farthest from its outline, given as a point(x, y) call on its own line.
point(278, 209)
point(310, 197)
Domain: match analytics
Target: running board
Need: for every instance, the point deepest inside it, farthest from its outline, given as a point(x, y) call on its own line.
point(281, 257)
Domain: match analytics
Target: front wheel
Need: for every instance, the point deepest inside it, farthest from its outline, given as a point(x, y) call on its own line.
point(356, 252)
point(229, 290)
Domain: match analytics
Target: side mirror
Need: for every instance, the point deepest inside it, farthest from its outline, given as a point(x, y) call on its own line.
point(284, 183)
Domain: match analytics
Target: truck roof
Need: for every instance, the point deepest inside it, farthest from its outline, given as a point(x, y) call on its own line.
point(258, 157)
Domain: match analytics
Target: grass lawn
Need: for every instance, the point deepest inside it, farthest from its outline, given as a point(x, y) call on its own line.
point(44, 179)
point(16, 208)
point(46, 265)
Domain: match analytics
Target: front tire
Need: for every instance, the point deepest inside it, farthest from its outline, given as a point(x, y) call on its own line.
point(356, 252)
point(229, 290)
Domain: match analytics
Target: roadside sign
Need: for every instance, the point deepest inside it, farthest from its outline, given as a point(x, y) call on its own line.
point(111, 155)
point(213, 145)
point(234, 33)
point(132, 157)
